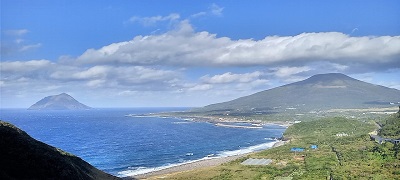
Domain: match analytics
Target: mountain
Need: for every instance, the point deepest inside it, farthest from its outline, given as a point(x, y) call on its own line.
point(319, 92)
point(58, 102)
point(22, 157)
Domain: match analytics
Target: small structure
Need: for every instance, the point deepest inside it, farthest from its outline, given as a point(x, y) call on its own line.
point(381, 140)
point(341, 134)
point(297, 149)
point(257, 162)
point(313, 146)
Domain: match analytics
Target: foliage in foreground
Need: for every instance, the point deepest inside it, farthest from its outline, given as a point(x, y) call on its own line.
point(391, 126)
point(341, 157)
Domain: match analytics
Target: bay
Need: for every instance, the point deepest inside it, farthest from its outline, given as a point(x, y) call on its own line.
point(127, 145)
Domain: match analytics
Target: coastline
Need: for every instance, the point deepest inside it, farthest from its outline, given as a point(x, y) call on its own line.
point(202, 163)
point(210, 161)
point(187, 167)
point(217, 120)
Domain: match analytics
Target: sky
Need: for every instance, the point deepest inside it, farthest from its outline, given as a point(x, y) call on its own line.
point(155, 53)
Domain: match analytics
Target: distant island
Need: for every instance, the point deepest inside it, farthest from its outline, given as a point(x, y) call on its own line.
point(62, 101)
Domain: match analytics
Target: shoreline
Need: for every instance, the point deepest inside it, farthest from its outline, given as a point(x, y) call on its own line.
point(235, 126)
point(217, 120)
point(207, 162)
point(197, 164)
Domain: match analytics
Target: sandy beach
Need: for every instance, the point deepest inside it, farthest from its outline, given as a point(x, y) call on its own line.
point(211, 161)
point(188, 166)
point(195, 165)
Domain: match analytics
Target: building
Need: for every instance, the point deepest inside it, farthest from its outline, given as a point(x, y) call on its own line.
point(381, 140)
point(297, 149)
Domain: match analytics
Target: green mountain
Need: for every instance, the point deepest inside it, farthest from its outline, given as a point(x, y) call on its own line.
point(22, 157)
point(319, 92)
point(58, 102)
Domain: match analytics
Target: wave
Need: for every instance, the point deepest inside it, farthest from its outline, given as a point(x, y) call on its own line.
point(144, 170)
point(246, 150)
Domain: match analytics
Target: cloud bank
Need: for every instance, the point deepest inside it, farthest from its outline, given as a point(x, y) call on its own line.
point(159, 66)
point(185, 47)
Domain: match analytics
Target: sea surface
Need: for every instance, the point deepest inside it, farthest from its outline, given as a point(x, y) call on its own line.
point(129, 145)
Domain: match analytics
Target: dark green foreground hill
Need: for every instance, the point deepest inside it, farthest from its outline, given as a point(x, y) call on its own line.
point(22, 157)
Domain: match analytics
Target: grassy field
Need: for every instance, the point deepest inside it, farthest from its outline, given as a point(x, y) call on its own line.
point(353, 156)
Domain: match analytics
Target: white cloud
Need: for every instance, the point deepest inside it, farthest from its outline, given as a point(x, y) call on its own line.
point(13, 43)
point(96, 83)
point(159, 65)
point(19, 41)
point(198, 14)
point(285, 71)
point(230, 78)
point(216, 10)
point(16, 32)
point(229, 83)
point(185, 47)
point(29, 47)
point(118, 76)
point(354, 30)
point(92, 73)
point(213, 10)
point(21, 67)
point(148, 21)
point(200, 87)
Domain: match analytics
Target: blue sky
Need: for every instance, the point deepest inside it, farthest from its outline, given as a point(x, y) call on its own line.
point(131, 53)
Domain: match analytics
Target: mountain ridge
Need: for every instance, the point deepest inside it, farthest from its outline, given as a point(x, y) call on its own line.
point(321, 91)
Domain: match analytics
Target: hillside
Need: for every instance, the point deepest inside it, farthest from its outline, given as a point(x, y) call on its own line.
point(22, 157)
point(58, 102)
point(391, 126)
point(352, 156)
point(319, 92)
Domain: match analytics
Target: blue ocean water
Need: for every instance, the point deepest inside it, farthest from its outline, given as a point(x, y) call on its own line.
point(125, 145)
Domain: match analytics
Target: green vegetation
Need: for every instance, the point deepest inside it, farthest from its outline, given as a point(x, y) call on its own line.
point(350, 156)
point(391, 127)
point(319, 92)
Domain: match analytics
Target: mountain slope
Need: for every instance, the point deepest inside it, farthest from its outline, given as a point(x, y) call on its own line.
point(322, 91)
point(58, 102)
point(22, 157)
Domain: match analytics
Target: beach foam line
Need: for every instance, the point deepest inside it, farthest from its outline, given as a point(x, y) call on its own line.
point(145, 170)
point(246, 150)
point(221, 154)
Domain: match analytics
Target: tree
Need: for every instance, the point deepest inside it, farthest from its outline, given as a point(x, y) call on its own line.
point(398, 113)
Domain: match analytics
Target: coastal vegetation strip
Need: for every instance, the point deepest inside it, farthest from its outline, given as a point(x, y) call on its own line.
point(355, 156)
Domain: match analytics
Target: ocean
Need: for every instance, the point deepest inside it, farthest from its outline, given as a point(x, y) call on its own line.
point(125, 145)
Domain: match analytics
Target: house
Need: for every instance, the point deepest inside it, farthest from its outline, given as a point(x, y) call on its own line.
point(381, 140)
